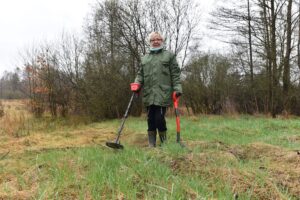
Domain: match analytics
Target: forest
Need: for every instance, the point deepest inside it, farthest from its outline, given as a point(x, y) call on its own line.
point(89, 75)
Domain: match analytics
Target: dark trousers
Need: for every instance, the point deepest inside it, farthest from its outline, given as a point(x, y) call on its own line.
point(156, 118)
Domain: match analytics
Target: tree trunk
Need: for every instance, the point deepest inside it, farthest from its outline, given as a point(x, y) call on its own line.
point(286, 64)
point(274, 61)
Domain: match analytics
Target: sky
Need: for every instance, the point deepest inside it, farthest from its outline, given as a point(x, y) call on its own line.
point(25, 23)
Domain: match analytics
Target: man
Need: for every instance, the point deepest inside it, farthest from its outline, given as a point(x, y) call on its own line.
point(159, 76)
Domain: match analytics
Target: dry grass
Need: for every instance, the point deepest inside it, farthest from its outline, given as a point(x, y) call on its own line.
point(282, 166)
point(14, 121)
point(20, 180)
point(58, 140)
point(216, 161)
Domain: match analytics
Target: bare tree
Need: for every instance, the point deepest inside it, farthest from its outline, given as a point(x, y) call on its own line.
point(286, 69)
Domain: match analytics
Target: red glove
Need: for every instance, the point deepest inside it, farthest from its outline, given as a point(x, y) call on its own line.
point(135, 87)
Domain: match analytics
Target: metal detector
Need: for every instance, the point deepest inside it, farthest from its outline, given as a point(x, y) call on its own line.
point(116, 144)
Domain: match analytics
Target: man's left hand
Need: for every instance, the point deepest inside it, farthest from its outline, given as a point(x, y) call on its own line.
point(177, 94)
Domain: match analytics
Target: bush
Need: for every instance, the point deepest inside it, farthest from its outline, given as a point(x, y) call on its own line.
point(37, 108)
point(1, 109)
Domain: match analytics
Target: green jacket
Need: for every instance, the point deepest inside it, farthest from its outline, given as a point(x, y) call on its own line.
point(159, 76)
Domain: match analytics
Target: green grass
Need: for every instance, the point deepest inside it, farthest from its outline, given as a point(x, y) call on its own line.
point(225, 156)
point(242, 130)
point(132, 174)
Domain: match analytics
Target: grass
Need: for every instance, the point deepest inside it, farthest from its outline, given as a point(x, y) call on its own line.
point(226, 157)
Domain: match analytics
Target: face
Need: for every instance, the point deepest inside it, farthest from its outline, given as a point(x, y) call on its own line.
point(156, 41)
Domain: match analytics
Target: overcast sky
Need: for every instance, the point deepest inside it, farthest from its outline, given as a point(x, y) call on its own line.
point(24, 23)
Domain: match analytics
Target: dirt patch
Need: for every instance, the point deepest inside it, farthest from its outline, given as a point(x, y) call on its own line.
point(58, 140)
point(21, 187)
point(282, 168)
point(291, 138)
point(138, 140)
point(256, 151)
point(240, 181)
point(24, 186)
point(285, 170)
point(204, 145)
point(244, 181)
point(282, 165)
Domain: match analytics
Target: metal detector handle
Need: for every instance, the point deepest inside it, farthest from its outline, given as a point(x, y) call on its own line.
point(124, 117)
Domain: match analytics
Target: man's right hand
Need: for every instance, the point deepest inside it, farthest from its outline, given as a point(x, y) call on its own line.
point(135, 87)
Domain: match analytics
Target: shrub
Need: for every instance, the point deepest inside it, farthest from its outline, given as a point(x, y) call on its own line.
point(1, 109)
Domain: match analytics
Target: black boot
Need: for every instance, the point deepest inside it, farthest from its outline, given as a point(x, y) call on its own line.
point(162, 136)
point(152, 138)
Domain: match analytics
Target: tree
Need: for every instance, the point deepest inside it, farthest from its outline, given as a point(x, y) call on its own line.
point(286, 62)
point(10, 85)
point(270, 39)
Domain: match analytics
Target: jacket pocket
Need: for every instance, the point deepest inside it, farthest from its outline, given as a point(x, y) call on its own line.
point(165, 92)
point(166, 68)
point(146, 87)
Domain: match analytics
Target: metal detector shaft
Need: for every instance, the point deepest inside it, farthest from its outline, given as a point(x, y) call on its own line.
point(124, 117)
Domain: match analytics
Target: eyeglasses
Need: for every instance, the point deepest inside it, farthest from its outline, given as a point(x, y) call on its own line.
point(157, 39)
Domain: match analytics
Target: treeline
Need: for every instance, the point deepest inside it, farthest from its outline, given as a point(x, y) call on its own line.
point(265, 38)
point(91, 75)
point(11, 86)
point(259, 73)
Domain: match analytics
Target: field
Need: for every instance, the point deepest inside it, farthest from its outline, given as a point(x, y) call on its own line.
point(226, 157)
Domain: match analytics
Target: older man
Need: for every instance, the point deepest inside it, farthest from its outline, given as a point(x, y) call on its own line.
point(159, 76)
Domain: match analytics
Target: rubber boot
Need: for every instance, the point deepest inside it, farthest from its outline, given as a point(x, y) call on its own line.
point(162, 136)
point(152, 138)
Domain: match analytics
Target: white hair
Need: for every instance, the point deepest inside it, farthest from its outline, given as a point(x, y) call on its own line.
point(151, 35)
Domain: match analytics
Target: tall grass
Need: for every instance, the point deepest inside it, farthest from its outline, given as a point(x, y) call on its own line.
point(100, 173)
point(226, 156)
point(15, 119)
point(132, 174)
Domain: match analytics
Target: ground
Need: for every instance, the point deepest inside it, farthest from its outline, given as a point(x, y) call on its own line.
point(241, 166)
